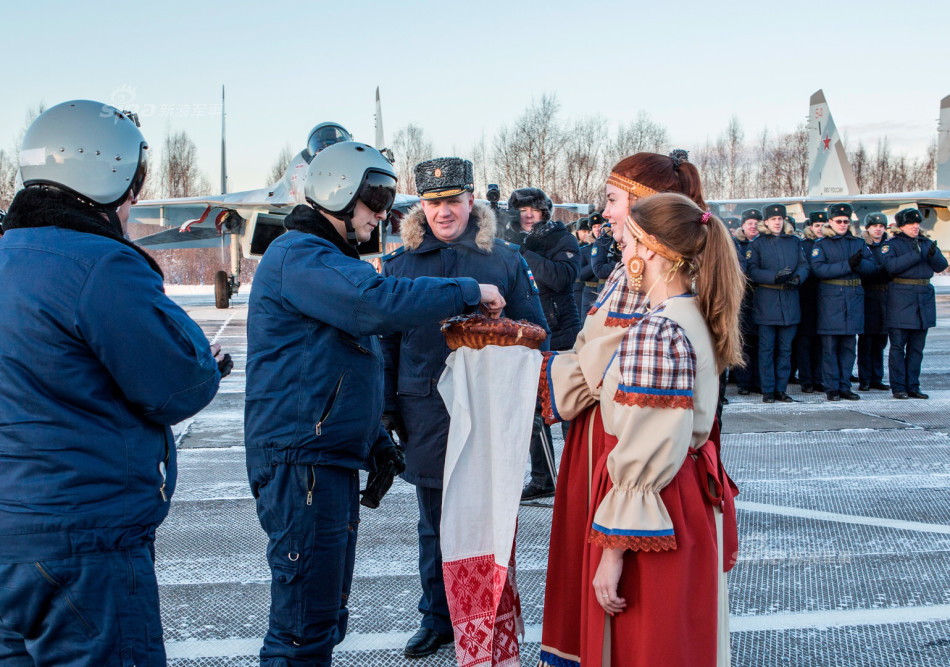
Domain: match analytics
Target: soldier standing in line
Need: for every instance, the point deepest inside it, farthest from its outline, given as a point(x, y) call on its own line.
point(838, 259)
point(872, 342)
point(775, 267)
point(807, 342)
point(747, 377)
point(585, 287)
point(911, 262)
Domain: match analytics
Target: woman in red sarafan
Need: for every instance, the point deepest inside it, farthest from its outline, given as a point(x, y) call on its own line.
point(644, 519)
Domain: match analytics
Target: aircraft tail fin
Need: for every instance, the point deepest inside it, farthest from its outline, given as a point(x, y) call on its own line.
point(943, 145)
point(829, 172)
point(380, 140)
point(224, 166)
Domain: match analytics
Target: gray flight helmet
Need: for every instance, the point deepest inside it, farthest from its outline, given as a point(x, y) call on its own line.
point(88, 148)
point(325, 135)
point(337, 173)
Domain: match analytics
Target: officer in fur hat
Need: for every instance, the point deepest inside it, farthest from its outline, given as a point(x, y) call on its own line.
point(807, 342)
point(776, 268)
point(872, 342)
point(447, 235)
point(911, 260)
point(586, 285)
point(839, 259)
point(747, 377)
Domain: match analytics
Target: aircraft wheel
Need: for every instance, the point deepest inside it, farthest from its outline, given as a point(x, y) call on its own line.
point(221, 290)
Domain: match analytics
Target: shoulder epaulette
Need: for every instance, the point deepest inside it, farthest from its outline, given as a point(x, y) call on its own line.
point(395, 253)
point(507, 244)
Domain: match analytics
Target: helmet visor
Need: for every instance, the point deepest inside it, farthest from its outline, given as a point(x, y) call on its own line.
point(138, 180)
point(378, 192)
point(327, 136)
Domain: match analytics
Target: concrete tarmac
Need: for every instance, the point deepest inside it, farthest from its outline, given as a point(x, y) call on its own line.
point(844, 527)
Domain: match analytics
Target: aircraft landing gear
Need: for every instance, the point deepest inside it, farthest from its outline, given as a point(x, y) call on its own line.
point(224, 288)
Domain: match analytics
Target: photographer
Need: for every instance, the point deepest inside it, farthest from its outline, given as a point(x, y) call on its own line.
point(315, 391)
point(605, 254)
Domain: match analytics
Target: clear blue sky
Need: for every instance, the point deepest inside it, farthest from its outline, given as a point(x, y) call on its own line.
point(462, 69)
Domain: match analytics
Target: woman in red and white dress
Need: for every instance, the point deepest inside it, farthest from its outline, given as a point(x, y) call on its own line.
point(644, 518)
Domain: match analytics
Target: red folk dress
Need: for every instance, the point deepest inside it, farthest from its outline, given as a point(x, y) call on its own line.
point(640, 471)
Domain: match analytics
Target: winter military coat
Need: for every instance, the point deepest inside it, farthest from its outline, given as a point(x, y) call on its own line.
point(96, 363)
point(875, 291)
point(808, 291)
point(314, 364)
point(744, 248)
point(911, 303)
point(840, 295)
point(600, 262)
point(774, 303)
point(554, 258)
point(585, 276)
point(415, 359)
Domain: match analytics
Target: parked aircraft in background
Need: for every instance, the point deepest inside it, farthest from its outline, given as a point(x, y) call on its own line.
point(831, 180)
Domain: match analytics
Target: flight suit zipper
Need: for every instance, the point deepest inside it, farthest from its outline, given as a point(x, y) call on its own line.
point(329, 407)
point(311, 482)
point(163, 468)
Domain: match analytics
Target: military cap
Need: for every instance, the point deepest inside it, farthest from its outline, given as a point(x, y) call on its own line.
point(817, 216)
point(773, 210)
point(837, 210)
point(875, 219)
point(751, 214)
point(907, 216)
point(596, 219)
point(731, 222)
point(583, 224)
point(444, 177)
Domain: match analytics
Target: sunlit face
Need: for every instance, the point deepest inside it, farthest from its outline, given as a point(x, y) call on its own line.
point(750, 228)
point(876, 232)
point(583, 235)
point(912, 230)
point(840, 224)
point(365, 221)
point(595, 230)
point(618, 206)
point(448, 218)
point(775, 223)
point(530, 217)
point(816, 227)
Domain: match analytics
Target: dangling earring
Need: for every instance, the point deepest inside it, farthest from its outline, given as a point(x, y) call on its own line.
point(635, 267)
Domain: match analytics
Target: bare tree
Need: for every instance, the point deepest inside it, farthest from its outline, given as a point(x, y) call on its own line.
point(8, 169)
point(179, 175)
point(410, 147)
point(642, 134)
point(279, 167)
point(527, 153)
point(585, 155)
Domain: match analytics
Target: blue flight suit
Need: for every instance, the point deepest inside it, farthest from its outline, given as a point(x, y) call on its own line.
point(416, 358)
point(807, 342)
point(911, 305)
point(775, 306)
point(872, 342)
point(840, 303)
point(747, 376)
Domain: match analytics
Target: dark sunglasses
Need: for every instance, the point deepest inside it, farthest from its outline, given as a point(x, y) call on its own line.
point(378, 192)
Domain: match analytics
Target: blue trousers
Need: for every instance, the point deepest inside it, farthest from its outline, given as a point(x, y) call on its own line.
point(905, 358)
point(95, 609)
point(433, 605)
point(775, 356)
point(871, 357)
point(310, 515)
point(808, 350)
point(837, 361)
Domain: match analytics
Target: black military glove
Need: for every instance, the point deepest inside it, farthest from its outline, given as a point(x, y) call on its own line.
point(783, 275)
point(532, 242)
point(855, 260)
point(614, 254)
point(225, 366)
point(932, 250)
point(392, 422)
point(794, 281)
point(389, 463)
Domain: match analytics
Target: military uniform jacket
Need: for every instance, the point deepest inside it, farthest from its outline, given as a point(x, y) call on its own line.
point(875, 291)
point(415, 359)
point(808, 291)
point(599, 262)
point(840, 295)
point(554, 258)
point(744, 248)
point(775, 304)
point(911, 306)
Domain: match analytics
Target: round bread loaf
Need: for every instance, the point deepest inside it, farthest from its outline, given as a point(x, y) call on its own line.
point(477, 331)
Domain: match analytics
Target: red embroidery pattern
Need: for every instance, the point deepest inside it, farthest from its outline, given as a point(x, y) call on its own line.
point(544, 390)
point(617, 322)
point(653, 400)
point(484, 612)
point(633, 542)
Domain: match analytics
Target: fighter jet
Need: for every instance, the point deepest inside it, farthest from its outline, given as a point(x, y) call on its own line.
point(831, 180)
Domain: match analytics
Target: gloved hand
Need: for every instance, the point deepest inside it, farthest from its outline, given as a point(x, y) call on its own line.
point(533, 242)
point(783, 275)
point(389, 463)
point(855, 260)
point(225, 365)
point(932, 250)
point(614, 253)
point(392, 422)
point(794, 281)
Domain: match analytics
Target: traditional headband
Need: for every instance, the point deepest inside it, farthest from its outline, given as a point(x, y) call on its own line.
point(650, 242)
point(629, 185)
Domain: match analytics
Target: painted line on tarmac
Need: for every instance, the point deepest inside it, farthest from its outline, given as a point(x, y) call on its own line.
point(843, 518)
point(222, 328)
point(388, 641)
